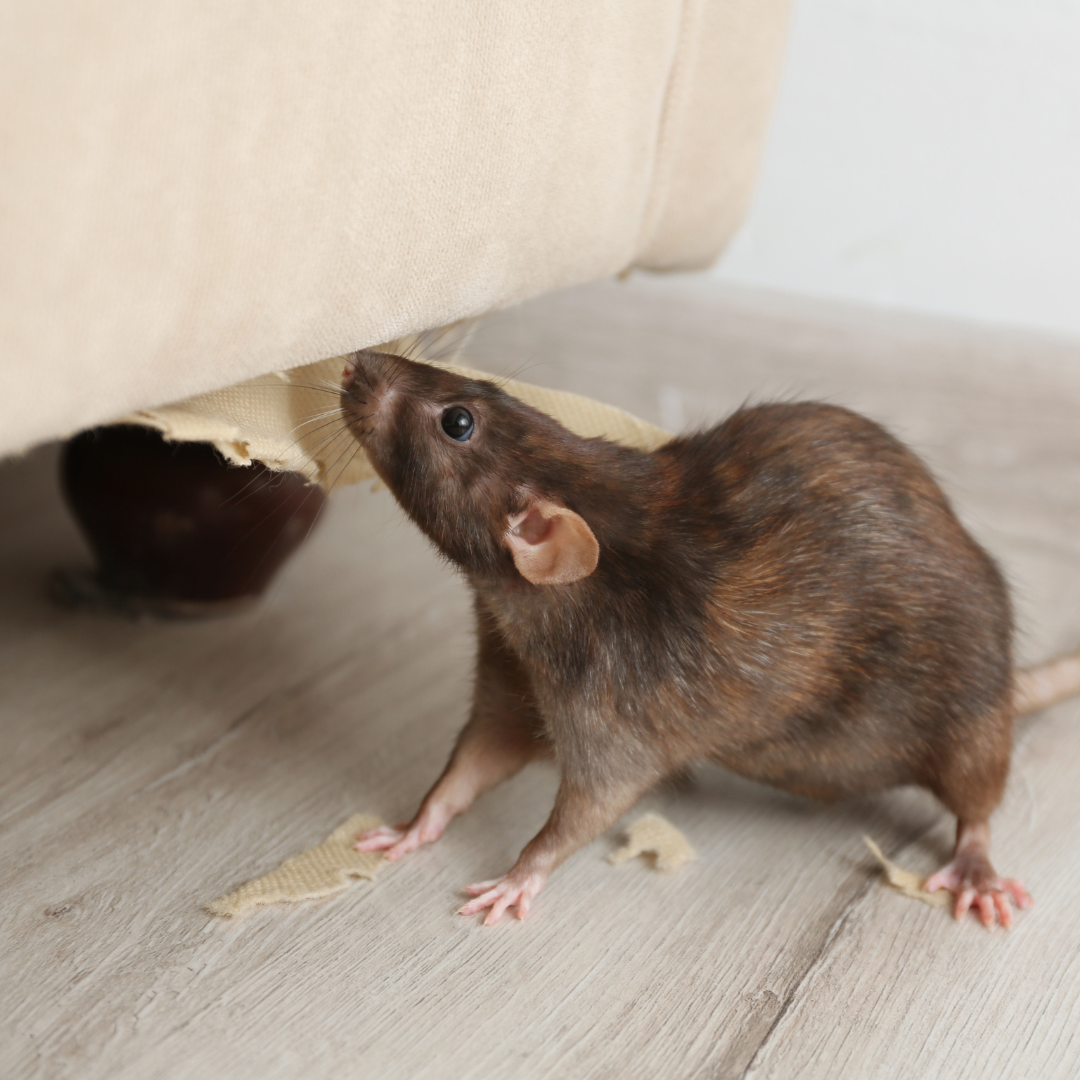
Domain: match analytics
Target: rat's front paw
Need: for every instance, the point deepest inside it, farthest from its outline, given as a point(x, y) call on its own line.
point(511, 890)
point(978, 888)
point(427, 827)
point(395, 842)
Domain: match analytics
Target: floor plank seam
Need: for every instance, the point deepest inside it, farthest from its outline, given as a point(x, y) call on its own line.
point(813, 962)
point(823, 949)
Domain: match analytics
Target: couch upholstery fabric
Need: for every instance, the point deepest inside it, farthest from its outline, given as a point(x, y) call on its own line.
point(193, 193)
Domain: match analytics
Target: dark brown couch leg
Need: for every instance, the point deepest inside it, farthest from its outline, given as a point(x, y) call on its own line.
point(175, 529)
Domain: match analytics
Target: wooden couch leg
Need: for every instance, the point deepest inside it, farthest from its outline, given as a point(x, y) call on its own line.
point(177, 531)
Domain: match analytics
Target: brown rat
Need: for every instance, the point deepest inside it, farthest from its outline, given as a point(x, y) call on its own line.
point(788, 594)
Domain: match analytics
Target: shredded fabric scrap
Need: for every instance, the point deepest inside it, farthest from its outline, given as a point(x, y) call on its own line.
point(290, 420)
point(320, 871)
point(907, 881)
point(656, 837)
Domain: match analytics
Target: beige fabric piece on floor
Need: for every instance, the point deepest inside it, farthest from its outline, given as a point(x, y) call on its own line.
point(287, 420)
point(656, 836)
point(907, 881)
point(320, 871)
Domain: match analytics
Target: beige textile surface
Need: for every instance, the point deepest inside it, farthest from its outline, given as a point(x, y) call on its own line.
point(194, 193)
point(654, 835)
point(290, 420)
point(320, 871)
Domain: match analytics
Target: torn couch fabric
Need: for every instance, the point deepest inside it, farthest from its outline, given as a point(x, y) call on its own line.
point(290, 420)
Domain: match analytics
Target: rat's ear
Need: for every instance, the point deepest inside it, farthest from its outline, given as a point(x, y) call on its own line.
point(551, 545)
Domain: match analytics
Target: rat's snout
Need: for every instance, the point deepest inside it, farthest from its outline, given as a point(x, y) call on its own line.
point(367, 372)
point(367, 387)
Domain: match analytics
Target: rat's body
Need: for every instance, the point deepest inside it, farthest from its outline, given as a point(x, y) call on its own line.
point(788, 594)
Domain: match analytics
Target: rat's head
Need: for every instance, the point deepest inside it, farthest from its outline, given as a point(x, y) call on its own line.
point(490, 480)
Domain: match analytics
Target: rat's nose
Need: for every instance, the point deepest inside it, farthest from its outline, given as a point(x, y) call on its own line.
point(368, 369)
point(368, 382)
point(354, 362)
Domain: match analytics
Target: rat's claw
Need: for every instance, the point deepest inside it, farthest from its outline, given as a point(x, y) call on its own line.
point(481, 887)
point(963, 903)
point(502, 893)
point(403, 839)
point(380, 839)
point(987, 912)
point(1004, 909)
point(497, 909)
point(1015, 889)
point(392, 842)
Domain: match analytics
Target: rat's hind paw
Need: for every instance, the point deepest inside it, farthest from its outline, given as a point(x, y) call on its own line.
point(500, 893)
point(978, 888)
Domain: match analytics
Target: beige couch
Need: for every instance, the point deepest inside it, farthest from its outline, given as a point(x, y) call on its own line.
point(193, 193)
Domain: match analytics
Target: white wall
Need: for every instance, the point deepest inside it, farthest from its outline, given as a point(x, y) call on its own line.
point(926, 154)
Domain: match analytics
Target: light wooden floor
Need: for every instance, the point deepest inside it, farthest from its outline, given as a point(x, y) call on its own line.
point(146, 768)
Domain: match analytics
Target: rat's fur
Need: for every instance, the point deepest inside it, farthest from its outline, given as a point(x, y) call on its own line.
point(788, 593)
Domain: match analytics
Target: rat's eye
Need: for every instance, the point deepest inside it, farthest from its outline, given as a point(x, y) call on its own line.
point(458, 423)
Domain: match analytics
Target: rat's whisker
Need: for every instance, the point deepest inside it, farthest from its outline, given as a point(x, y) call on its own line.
point(278, 384)
point(335, 412)
point(345, 467)
point(328, 469)
point(454, 344)
point(503, 380)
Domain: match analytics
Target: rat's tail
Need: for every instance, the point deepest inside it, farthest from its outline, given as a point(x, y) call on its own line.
point(1039, 687)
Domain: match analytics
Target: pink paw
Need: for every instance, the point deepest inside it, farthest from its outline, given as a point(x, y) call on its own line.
point(502, 893)
point(395, 841)
point(992, 900)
